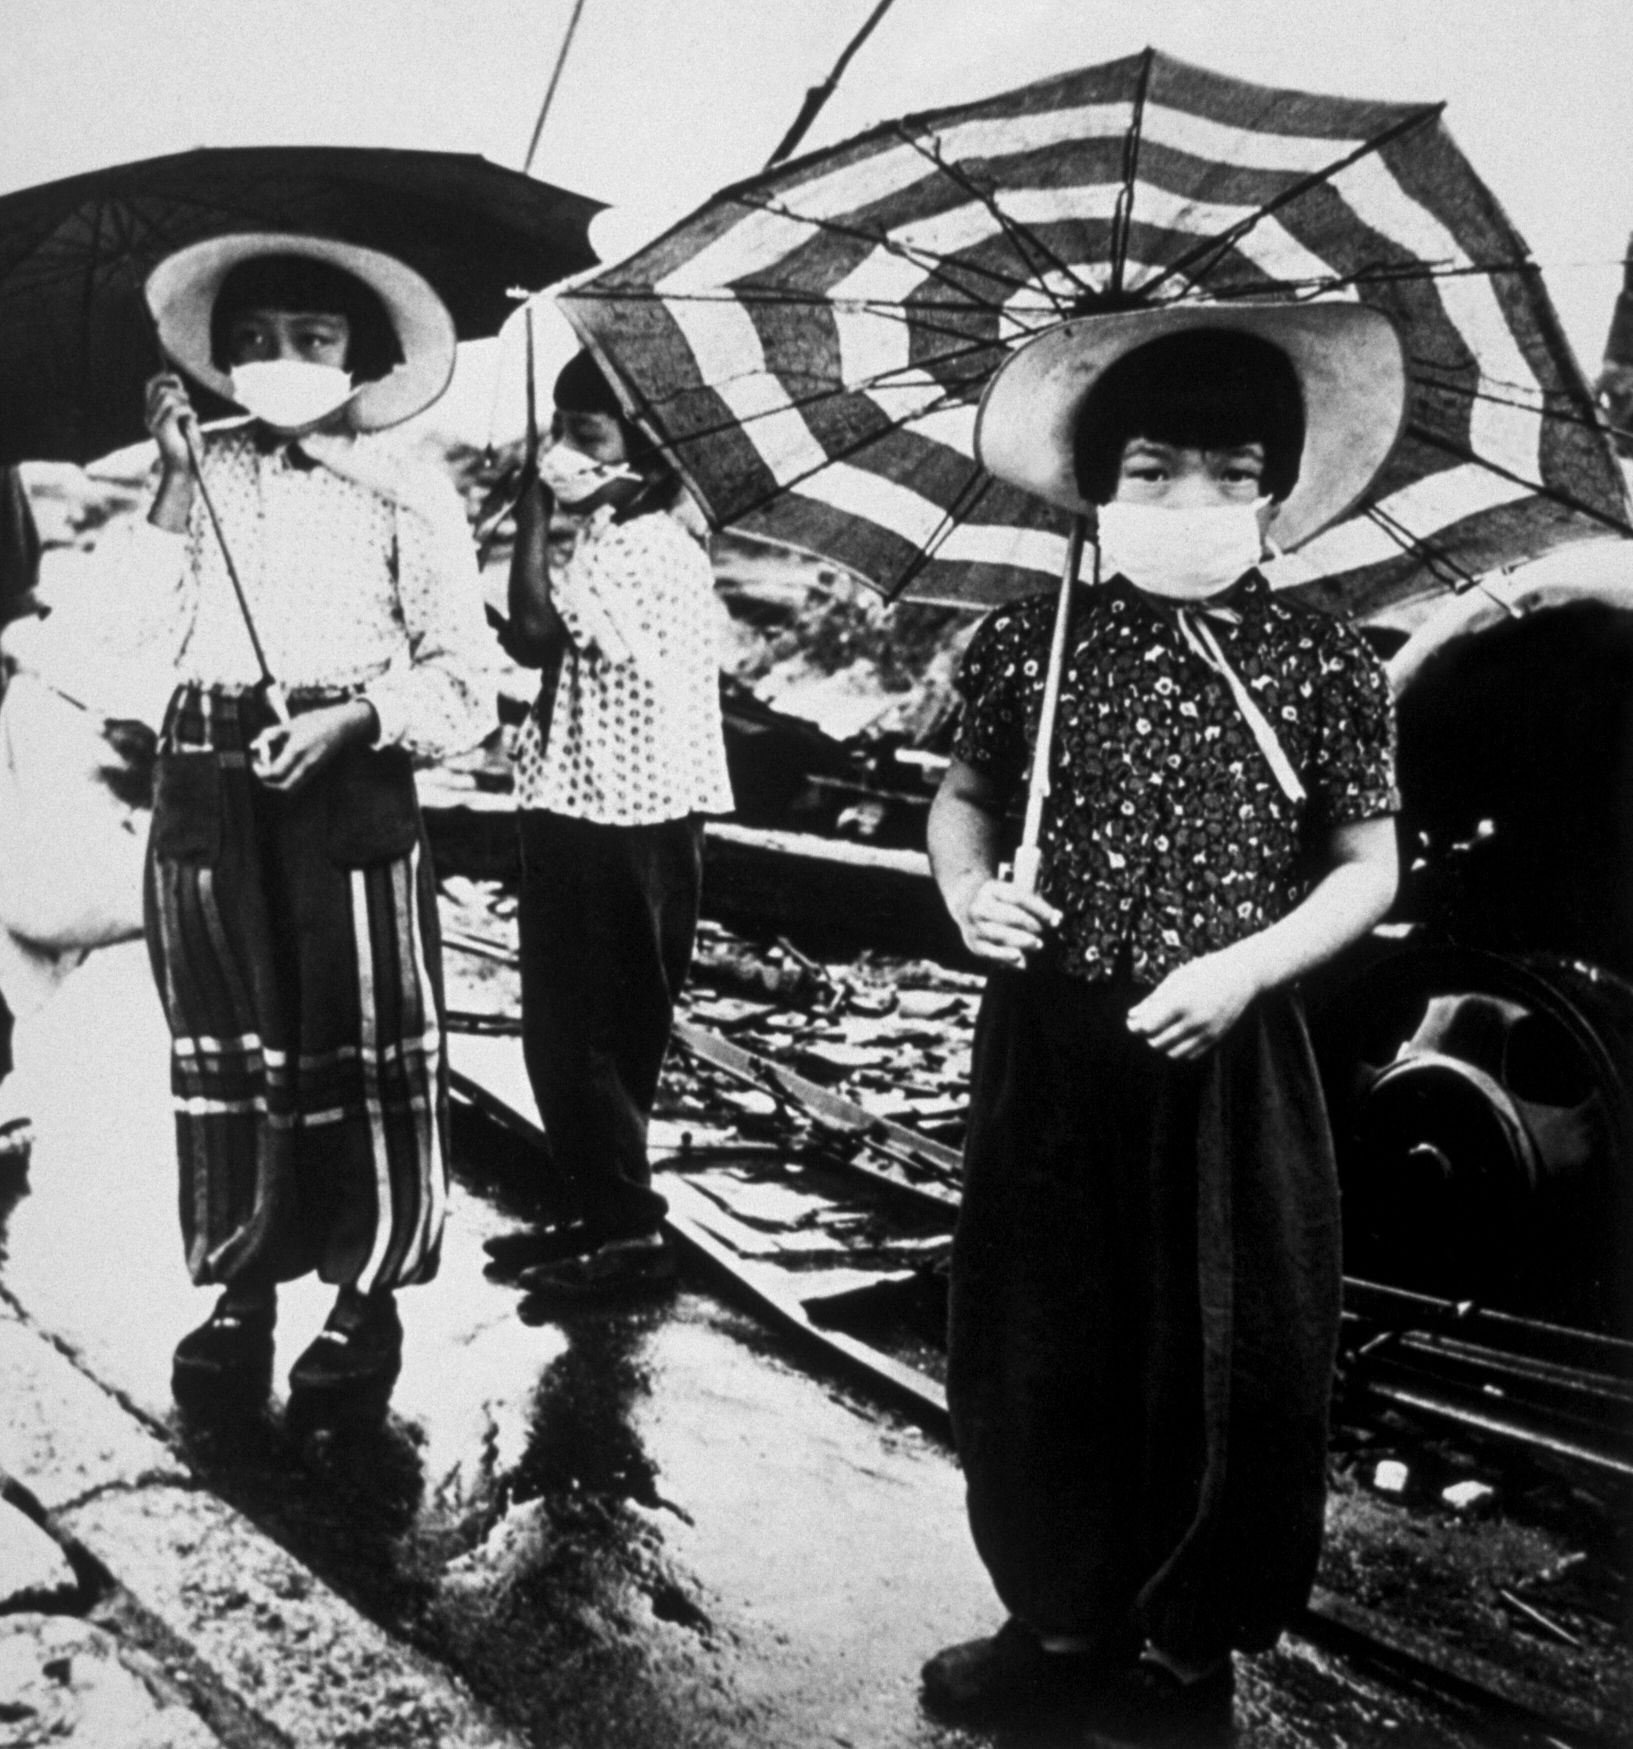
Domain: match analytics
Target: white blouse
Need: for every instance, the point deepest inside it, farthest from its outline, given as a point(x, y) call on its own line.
point(359, 572)
point(634, 737)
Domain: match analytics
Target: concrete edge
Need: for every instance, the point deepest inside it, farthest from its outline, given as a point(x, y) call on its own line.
point(268, 1654)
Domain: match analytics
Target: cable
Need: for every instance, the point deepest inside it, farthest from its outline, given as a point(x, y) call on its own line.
point(550, 89)
point(819, 94)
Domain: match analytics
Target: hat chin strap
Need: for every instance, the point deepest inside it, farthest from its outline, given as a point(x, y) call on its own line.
point(1194, 628)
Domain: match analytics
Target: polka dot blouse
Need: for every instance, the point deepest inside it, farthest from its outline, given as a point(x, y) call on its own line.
point(634, 734)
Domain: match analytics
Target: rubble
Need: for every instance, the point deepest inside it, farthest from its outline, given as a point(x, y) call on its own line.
point(72, 1685)
point(1391, 1476)
point(1470, 1496)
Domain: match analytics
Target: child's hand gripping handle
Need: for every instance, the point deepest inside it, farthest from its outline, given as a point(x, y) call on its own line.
point(269, 683)
point(1026, 868)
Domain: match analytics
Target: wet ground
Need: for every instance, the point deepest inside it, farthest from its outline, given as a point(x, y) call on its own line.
point(645, 1527)
point(634, 1527)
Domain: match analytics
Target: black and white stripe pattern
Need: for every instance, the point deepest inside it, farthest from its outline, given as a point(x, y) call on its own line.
point(304, 1002)
point(811, 345)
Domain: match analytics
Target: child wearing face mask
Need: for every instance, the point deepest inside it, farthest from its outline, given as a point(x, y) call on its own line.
point(291, 905)
point(620, 760)
point(1145, 1279)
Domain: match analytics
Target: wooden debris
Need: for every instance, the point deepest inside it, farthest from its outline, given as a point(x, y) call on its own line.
point(833, 1062)
point(1391, 1476)
point(930, 1005)
point(1538, 1619)
point(1470, 1497)
point(741, 972)
point(727, 1012)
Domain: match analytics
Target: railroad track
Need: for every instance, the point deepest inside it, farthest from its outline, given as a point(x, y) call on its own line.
point(1558, 1395)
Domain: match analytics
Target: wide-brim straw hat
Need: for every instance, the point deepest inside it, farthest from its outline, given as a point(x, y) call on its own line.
point(1351, 368)
point(182, 289)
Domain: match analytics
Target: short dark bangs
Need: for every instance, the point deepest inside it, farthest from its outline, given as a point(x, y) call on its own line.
point(299, 284)
point(1209, 388)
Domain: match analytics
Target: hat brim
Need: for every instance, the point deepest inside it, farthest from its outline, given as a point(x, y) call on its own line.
point(1351, 367)
point(182, 289)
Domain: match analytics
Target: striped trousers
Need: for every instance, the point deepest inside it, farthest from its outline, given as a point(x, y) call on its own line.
point(295, 944)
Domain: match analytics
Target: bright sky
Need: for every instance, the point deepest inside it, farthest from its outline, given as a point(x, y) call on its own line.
point(663, 101)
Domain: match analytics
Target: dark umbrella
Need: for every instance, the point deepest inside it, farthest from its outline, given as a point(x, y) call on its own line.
point(810, 345)
point(77, 344)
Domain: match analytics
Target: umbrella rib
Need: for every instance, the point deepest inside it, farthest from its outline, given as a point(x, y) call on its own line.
point(880, 307)
point(749, 293)
point(1380, 274)
point(1217, 247)
point(1535, 408)
point(88, 280)
point(1123, 208)
point(842, 455)
point(921, 259)
point(1540, 487)
point(1435, 560)
point(707, 433)
point(1020, 238)
point(832, 392)
point(704, 434)
point(968, 496)
point(1314, 285)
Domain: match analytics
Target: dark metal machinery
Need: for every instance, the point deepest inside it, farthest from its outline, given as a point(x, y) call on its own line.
point(1478, 1056)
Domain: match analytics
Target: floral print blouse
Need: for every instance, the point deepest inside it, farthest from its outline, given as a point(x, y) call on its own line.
point(1166, 835)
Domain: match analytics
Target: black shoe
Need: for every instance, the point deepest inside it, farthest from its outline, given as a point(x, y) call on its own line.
point(617, 1269)
point(352, 1363)
point(1150, 1706)
point(227, 1361)
point(1010, 1676)
point(510, 1252)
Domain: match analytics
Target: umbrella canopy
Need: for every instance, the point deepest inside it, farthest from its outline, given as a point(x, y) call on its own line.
point(811, 345)
point(77, 343)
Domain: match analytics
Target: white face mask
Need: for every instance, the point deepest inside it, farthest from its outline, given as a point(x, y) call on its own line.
point(288, 394)
point(574, 478)
point(1183, 554)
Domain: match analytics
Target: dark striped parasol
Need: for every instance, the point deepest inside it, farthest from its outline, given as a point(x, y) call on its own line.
point(810, 345)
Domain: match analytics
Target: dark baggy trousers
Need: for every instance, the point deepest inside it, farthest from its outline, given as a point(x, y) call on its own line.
point(607, 919)
point(295, 944)
point(1145, 1300)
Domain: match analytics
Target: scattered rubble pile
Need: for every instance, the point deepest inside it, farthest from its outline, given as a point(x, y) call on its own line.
point(892, 1035)
point(68, 1676)
point(1491, 1553)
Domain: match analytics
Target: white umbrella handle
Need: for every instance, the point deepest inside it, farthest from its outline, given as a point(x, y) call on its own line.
point(269, 684)
point(1028, 857)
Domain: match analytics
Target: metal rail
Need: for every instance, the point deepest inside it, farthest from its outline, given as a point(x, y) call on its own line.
point(1366, 1637)
point(1400, 1366)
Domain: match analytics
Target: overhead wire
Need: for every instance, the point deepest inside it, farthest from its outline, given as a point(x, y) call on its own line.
point(818, 95)
point(550, 89)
